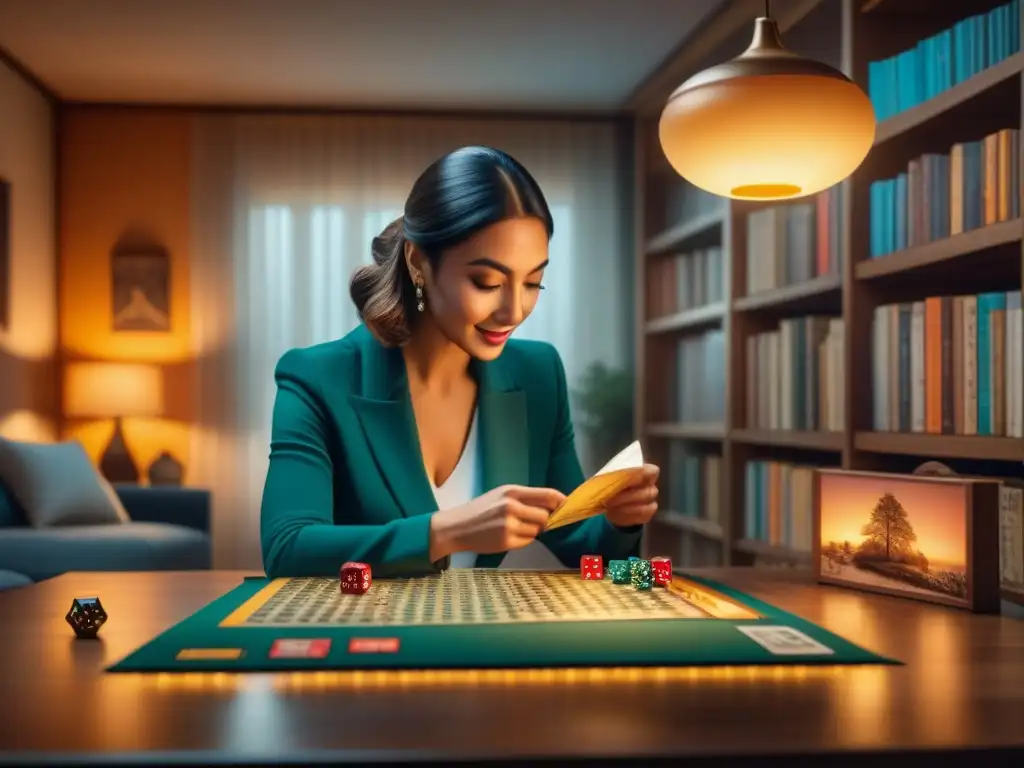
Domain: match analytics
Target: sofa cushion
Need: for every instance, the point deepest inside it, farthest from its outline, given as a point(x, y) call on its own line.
point(56, 484)
point(11, 513)
point(12, 580)
point(41, 553)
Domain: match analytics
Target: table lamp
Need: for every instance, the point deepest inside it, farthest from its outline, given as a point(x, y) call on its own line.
point(114, 391)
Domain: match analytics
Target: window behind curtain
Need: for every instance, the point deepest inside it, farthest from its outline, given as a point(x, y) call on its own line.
point(296, 274)
point(299, 262)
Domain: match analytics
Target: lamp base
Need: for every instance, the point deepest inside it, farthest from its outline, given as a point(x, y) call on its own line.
point(117, 464)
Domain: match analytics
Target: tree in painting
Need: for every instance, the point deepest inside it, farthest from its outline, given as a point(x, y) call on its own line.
point(887, 554)
point(889, 527)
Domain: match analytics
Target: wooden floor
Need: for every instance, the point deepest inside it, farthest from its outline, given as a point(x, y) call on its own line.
point(962, 689)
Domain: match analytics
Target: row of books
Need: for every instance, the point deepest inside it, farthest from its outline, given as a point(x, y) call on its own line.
point(685, 202)
point(796, 375)
point(678, 282)
point(700, 378)
point(694, 483)
point(943, 60)
point(976, 184)
point(778, 504)
point(950, 365)
point(791, 244)
point(1011, 537)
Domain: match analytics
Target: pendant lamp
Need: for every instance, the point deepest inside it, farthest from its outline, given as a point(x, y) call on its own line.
point(767, 125)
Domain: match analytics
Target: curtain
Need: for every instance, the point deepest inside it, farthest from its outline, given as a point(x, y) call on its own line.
point(284, 209)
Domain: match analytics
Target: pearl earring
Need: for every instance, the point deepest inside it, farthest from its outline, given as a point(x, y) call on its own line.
point(419, 298)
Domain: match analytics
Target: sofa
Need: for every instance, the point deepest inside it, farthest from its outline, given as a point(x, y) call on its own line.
point(80, 522)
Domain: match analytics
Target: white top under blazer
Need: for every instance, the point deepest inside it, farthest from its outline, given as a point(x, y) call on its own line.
point(461, 487)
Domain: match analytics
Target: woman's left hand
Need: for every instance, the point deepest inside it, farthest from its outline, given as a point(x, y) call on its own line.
point(636, 504)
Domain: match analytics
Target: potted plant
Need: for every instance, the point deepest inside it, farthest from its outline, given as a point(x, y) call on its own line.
point(604, 410)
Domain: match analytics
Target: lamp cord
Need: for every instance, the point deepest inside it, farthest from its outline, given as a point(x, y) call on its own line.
point(767, 9)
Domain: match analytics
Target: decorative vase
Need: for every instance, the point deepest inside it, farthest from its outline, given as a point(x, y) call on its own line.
point(165, 470)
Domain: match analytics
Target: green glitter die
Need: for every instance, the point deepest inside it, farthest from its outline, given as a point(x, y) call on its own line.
point(619, 571)
point(640, 574)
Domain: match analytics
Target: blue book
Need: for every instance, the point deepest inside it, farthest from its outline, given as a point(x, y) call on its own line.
point(761, 529)
point(750, 503)
point(1014, 24)
point(987, 303)
point(982, 59)
point(873, 212)
point(972, 179)
point(892, 87)
point(890, 213)
point(945, 62)
point(992, 36)
point(901, 212)
point(959, 53)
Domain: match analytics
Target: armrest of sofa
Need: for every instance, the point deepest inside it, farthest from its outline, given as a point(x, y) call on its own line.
point(189, 507)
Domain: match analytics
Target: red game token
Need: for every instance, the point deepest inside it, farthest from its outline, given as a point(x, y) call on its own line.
point(373, 645)
point(300, 648)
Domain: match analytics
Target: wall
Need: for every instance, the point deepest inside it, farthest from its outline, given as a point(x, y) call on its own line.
point(28, 388)
point(126, 170)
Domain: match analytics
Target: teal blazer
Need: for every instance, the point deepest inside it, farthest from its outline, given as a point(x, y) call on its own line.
point(346, 479)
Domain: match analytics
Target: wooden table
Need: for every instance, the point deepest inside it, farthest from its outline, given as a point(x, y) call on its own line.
point(962, 689)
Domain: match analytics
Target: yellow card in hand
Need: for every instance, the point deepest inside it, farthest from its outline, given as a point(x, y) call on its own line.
point(593, 494)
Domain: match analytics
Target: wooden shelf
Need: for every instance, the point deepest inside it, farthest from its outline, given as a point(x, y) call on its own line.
point(1012, 595)
point(947, 100)
point(773, 551)
point(783, 438)
point(698, 228)
point(986, 259)
point(793, 296)
point(942, 446)
point(686, 431)
point(700, 526)
point(942, 251)
point(689, 319)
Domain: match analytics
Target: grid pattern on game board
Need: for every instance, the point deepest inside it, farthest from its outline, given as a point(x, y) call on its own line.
point(467, 597)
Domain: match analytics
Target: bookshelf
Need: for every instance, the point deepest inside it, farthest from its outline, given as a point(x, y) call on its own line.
point(808, 350)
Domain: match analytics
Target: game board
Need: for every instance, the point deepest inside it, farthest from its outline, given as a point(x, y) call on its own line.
point(487, 618)
point(470, 597)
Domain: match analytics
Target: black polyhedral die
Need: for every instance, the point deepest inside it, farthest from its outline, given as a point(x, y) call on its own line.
point(86, 616)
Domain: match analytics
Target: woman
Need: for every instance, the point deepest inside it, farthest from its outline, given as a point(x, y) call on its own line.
point(426, 438)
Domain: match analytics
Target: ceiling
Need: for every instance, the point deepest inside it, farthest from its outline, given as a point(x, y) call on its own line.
point(558, 55)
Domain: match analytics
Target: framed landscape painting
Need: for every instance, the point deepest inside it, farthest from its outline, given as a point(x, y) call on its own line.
point(934, 539)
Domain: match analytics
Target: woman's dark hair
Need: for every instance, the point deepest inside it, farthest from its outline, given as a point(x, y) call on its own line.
point(458, 195)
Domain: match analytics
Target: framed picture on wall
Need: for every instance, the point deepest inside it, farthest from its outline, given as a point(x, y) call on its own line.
point(5, 253)
point(141, 291)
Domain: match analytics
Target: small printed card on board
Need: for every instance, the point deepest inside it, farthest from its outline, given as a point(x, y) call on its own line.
point(785, 641)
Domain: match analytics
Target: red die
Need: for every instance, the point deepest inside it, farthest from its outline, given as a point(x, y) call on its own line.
point(662, 570)
point(592, 567)
point(355, 578)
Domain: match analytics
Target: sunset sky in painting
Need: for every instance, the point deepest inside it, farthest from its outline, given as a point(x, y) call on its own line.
point(935, 510)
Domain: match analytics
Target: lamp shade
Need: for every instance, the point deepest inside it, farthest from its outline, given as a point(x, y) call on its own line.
point(767, 125)
point(110, 390)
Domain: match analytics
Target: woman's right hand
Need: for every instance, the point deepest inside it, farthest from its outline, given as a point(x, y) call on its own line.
point(506, 518)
